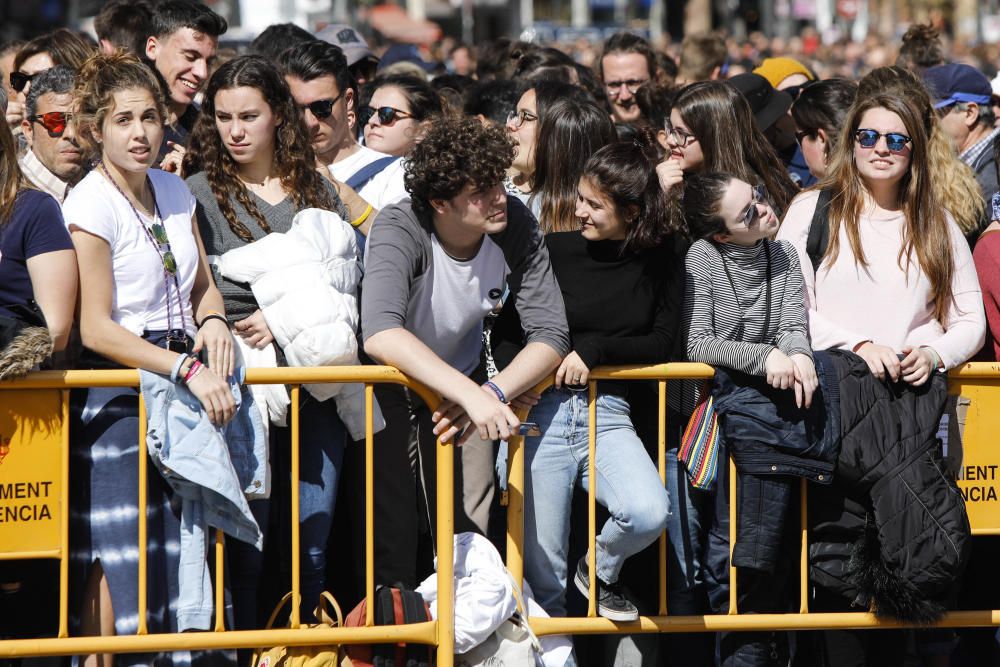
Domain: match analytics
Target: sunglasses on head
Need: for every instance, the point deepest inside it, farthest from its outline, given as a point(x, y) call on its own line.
point(752, 214)
point(18, 80)
point(386, 115)
point(894, 141)
point(54, 122)
point(322, 109)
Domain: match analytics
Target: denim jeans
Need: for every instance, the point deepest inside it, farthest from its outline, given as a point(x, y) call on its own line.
point(322, 437)
point(627, 484)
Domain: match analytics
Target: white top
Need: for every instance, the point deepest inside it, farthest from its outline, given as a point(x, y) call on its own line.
point(447, 307)
point(385, 188)
point(849, 303)
point(139, 300)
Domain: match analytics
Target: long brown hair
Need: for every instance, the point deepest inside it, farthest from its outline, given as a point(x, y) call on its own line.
point(723, 122)
point(11, 179)
point(926, 232)
point(294, 160)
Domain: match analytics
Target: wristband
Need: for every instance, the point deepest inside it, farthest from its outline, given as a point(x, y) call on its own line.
point(193, 371)
point(214, 316)
point(496, 390)
point(181, 358)
point(364, 216)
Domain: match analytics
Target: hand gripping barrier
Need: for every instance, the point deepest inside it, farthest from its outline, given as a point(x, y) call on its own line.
point(977, 384)
point(55, 386)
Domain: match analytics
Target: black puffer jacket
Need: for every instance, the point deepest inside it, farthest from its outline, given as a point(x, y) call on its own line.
point(892, 530)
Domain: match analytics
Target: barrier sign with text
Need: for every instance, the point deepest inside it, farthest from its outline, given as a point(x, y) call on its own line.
point(30, 470)
point(973, 451)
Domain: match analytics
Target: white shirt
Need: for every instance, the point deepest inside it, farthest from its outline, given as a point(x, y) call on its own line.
point(384, 188)
point(139, 300)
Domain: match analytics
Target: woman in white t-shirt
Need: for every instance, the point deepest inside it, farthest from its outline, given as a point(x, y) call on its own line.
point(147, 301)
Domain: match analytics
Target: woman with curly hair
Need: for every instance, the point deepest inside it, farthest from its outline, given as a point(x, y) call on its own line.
point(258, 173)
point(621, 258)
point(147, 301)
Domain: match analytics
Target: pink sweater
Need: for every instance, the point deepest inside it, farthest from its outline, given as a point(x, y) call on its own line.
point(849, 303)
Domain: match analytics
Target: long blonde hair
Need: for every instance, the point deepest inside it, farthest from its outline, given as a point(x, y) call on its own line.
point(926, 234)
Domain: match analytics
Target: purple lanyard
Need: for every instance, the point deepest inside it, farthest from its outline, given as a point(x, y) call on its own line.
point(159, 252)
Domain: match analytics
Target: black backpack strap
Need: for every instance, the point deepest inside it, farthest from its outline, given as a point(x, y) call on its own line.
point(360, 178)
point(819, 229)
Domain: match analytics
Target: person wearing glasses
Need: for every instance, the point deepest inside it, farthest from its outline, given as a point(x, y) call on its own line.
point(396, 114)
point(60, 47)
point(54, 162)
point(257, 172)
point(320, 80)
point(627, 63)
point(147, 300)
point(523, 125)
point(895, 283)
point(744, 310)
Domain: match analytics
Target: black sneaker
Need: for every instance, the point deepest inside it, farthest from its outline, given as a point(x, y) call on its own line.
point(611, 601)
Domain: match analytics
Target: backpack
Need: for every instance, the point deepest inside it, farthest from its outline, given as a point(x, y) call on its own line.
point(393, 606)
point(819, 229)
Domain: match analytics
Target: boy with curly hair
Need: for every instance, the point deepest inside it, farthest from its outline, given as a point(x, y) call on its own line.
point(435, 265)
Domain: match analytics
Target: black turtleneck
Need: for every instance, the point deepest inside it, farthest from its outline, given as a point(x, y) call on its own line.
point(622, 308)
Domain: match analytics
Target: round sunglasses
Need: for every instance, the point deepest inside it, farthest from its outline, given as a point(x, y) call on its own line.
point(386, 115)
point(752, 214)
point(54, 122)
point(894, 141)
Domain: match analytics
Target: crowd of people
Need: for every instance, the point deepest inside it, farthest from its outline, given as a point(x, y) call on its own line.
point(825, 242)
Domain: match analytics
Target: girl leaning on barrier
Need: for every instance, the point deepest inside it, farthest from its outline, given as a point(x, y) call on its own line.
point(625, 245)
point(146, 300)
point(896, 284)
point(257, 173)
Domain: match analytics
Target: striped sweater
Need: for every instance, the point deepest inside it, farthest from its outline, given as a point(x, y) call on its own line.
point(724, 331)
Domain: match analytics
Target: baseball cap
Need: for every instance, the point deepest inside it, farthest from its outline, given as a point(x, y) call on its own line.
point(768, 104)
point(956, 82)
point(353, 45)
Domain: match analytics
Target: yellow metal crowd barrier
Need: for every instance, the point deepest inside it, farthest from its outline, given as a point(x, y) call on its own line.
point(34, 433)
point(35, 419)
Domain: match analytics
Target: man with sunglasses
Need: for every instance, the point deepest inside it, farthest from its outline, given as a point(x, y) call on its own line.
point(54, 162)
point(626, 64)
point(321, 83)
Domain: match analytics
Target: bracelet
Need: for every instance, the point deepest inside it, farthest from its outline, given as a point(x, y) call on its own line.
point(364, 216)
point(496, 390)
point(214, 316)
point(181, 358)
point(193, 371)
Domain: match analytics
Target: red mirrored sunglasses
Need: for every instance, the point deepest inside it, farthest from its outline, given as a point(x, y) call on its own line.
point(54, 122)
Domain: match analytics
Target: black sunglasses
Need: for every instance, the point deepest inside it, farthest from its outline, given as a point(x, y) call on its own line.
point(322, 109)
point(18, 80)
point(751, 214)
point(54, 122)
point(894, 141)
point(386, 115)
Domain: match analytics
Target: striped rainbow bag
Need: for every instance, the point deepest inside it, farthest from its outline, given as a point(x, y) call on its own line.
point(699, 448)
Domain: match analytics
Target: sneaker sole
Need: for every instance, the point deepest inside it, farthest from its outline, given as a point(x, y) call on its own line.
point(609, 614)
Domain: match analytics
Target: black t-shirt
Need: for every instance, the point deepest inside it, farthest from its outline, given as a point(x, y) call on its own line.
point(35, 227)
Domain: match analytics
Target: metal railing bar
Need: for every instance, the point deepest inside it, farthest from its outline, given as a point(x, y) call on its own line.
point(369, 507)
point(295, 620)
point(143, 512)
point(591, 498)
point(661, 451)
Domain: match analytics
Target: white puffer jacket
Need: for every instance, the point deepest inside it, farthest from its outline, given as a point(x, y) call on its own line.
point(306, 283)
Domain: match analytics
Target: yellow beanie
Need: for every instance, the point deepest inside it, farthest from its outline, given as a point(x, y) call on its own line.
point(776, 70)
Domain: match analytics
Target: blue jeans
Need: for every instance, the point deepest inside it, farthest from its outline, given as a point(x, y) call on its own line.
point(627, 484)
point(322, 437)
